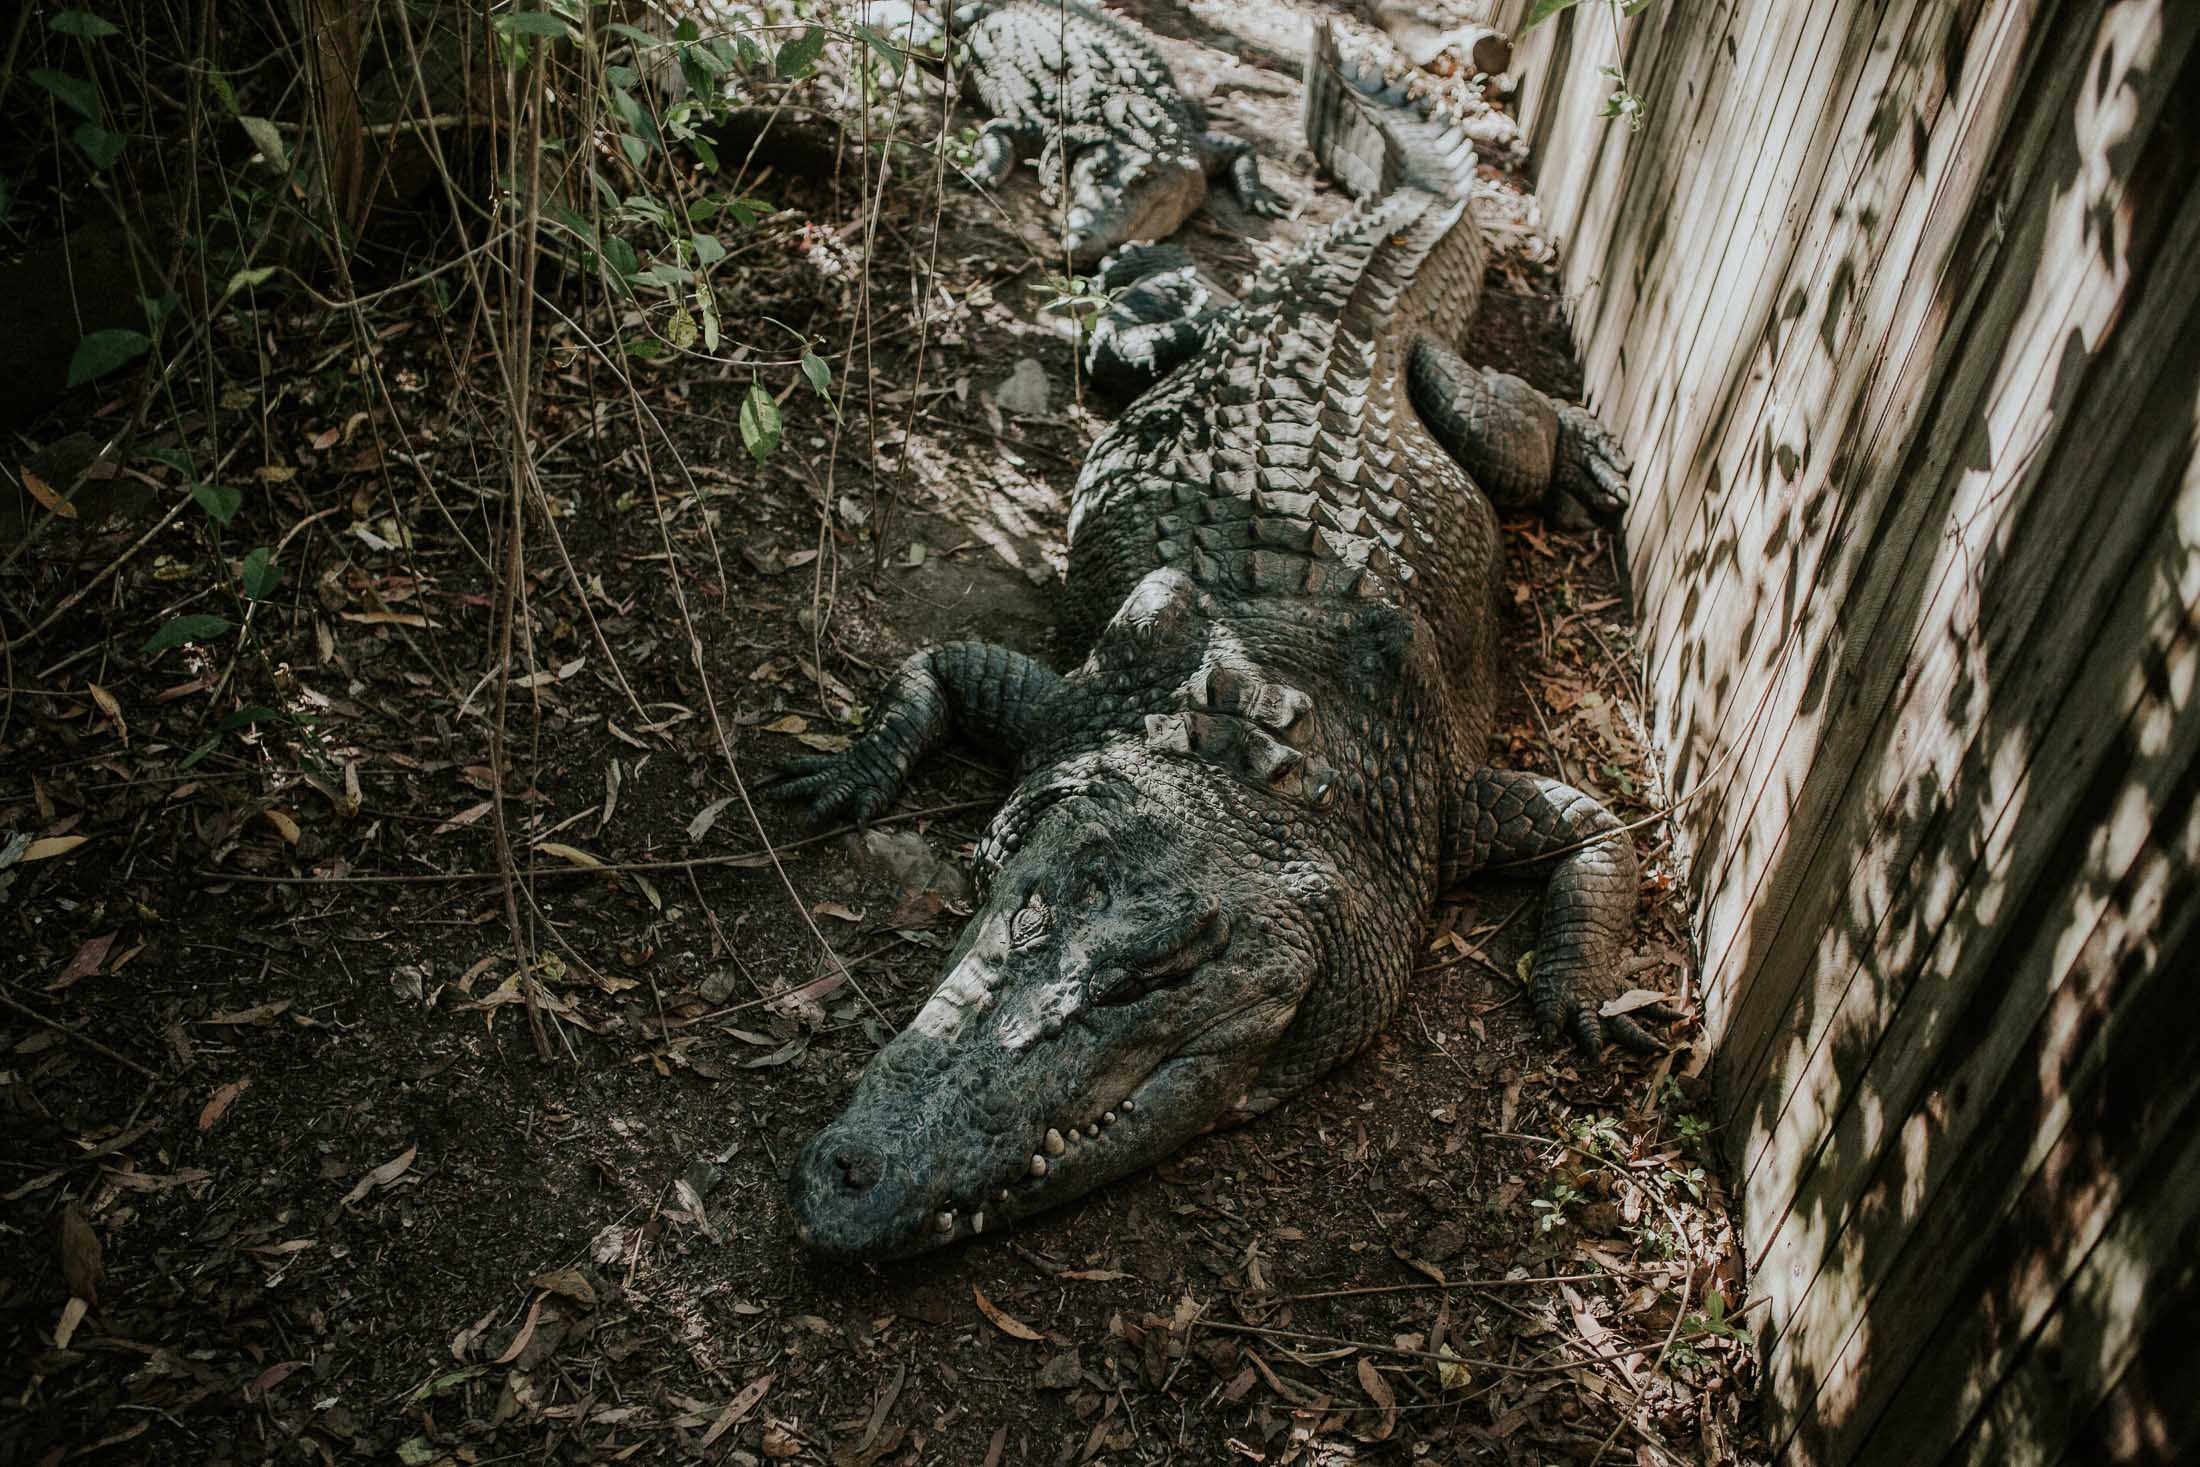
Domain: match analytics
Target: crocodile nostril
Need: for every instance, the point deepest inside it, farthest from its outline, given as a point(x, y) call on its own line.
point(860, 1166)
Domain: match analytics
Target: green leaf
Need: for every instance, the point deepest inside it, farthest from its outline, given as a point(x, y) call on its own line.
point(267, 138)
point(621, 257)
point(84, 25)
point(247, 717)
point(261, 574)
point(759, 423)
point(747, 211)
point(800, 54)
point(221, 501)
point(882, 46)
point(198, 627)
point(99, 145)
point(74, 91)
point(708, 251)
point(246, 279)
point(535, 23)
point(1542, 11)
point(706, 306)
point(819, 372)
point(751, 54)
point(103, 351)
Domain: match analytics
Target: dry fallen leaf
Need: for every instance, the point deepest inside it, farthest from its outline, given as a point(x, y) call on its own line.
point(526, 1329)
point(1451, 1371)
point(217, 1104)
point(464, 817)
point(86, 962)
point(259, 1013)
point(739, 1407)
point(1378, 1391)
point(1632, 999)
point(112, 709)
point(72, 1315)
point(571, 1283)
point(52, 846)
point(83, 1259)
point(48, 500)
point(382, 1176)
point(1006, 1323)
point(564, 852)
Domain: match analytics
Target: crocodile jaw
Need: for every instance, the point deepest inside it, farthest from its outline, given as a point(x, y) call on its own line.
point(1030, 1078)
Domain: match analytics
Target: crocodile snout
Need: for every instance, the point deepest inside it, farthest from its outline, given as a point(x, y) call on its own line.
point(849, 1196)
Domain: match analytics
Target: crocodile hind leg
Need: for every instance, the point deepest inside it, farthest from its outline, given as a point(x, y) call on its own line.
point(1219, 151)
point(1503, 817)
point(1159, 313)
point(1526, 450)
point(990, 694)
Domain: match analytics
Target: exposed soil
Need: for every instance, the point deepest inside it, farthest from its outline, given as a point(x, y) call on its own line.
point(287, 1179)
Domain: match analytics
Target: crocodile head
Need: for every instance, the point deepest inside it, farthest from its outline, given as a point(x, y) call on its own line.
point(1135, 172)
point(1132, 966)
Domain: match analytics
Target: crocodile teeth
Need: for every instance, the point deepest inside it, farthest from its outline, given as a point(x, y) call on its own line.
point(1054, 1142)
point(944, 1223)
point(1038, 1165)
point(1001, 1196)
point(1092, 1128)
point(977, 1222)
point(1129, 1105)
point(1107, 1118)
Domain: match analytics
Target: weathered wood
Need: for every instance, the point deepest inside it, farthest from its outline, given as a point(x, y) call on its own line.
point(1896, 309)
point(2054, 560)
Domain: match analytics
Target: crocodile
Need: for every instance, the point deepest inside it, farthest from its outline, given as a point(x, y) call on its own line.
point(1086, 91)
point(1233, 818)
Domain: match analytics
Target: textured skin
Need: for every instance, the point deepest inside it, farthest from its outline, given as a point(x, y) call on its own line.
point(1232, 819)
point(1063, 76)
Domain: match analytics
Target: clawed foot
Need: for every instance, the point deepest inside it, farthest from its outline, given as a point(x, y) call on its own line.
point(1258, 198)
point(1563, 1012)
point(1589, 481)
point(842, 786)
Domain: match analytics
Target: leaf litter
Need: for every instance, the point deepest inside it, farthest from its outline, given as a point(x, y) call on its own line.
point(243, 1245)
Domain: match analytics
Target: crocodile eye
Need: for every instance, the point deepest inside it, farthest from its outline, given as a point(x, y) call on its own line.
point(1030, 922)
point(1175, 954)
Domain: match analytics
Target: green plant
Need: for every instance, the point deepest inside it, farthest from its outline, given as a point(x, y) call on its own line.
point(1080, 297)
point(1554, 1207)
point(1623, 102)
point(1713, 1322)
point(1600, 1136)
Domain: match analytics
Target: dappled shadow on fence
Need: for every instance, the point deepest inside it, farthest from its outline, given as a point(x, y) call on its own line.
point(1955, 1054)
point(1934, 658)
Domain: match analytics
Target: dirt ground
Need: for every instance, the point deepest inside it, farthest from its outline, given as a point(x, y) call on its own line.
point(286, 1178)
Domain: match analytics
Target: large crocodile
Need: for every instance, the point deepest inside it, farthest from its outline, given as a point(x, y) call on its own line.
point(1232, 819)
point(1080, 88)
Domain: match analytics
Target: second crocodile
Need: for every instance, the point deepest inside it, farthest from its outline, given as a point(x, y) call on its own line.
point(1085, 91)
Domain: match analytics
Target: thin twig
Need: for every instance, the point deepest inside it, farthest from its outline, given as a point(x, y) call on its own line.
point(78, 1035)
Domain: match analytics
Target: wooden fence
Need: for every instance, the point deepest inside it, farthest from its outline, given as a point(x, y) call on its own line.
point(1898, 306)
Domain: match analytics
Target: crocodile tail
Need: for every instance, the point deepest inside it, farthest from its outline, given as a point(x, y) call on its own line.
point(1371, 136)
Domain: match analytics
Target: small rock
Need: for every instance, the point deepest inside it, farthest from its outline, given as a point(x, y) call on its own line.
point(1023, 390)
point(1062, 1371)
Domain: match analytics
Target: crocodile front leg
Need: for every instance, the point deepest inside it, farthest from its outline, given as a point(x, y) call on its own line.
point(1523, 448)
point(1505, 817)
point(988, 693)
point(1001, 144)
point(1219, 151)
point(1160, 312)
